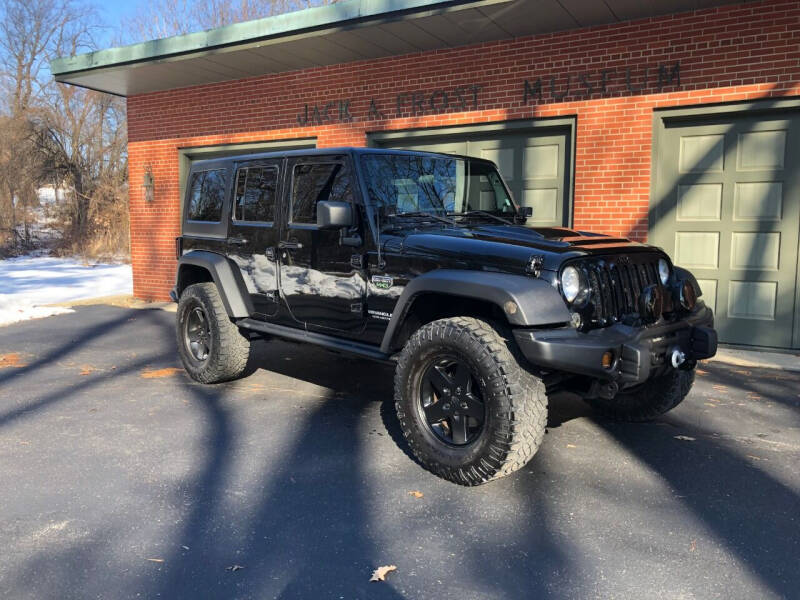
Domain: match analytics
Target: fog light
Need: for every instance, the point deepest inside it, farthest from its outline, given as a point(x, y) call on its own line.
point(576, 320)
point(607, 360)
point(650, 304)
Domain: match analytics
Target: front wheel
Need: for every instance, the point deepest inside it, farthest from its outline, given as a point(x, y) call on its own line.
point(469, 410)
point(211, 346)
point(649, 400)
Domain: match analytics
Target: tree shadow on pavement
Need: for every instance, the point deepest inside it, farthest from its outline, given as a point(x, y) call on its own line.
point(750, 512)
point(308, 536)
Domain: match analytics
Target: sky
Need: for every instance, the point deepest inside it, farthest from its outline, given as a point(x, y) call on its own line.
point(115, 10)
point(113, 13)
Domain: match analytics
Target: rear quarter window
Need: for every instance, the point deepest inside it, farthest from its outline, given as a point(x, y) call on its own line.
point(206, 196)
point(256, 191)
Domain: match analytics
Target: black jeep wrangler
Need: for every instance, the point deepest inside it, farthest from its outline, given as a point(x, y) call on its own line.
point(424, 260)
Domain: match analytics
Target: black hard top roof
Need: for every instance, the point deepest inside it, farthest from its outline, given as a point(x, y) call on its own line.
point(351, 150)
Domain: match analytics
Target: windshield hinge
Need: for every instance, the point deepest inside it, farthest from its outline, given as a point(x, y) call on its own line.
point(535, 264)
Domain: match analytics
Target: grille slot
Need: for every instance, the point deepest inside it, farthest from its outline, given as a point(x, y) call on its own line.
point(616, 284)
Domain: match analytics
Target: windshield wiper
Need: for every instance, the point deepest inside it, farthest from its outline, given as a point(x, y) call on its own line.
point(422, 213)
point(480, 213)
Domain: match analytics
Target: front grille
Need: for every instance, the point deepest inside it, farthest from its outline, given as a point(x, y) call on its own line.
point(616, 284)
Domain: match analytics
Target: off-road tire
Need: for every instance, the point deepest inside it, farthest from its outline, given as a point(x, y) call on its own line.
point(649, 400)
point(515, 400)
point(229, 350)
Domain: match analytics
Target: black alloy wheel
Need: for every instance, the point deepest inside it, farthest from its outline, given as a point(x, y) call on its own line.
point(468, 407)
point(197, 334)
point(451, 401)
point(211, 346)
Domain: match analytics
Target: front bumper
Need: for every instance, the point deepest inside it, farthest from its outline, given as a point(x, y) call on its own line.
point(637, 351)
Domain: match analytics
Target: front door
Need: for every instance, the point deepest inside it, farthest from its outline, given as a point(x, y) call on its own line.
point(254, 234)
point(319, 277)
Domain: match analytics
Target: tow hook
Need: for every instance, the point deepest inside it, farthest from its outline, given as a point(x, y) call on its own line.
point(677, 357)
point(608, 390)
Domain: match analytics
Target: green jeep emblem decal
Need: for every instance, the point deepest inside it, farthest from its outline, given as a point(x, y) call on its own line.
point(382, 282)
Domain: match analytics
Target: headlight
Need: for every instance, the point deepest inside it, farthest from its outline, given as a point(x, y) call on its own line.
point(663, 271)
point(570, 283)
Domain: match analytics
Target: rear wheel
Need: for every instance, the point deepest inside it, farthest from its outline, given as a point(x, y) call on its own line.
point(649, 400)
point(467, 407)
point(211, 346)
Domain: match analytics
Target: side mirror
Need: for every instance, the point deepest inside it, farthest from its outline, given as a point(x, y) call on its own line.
point(333, 215)
point(523, 212)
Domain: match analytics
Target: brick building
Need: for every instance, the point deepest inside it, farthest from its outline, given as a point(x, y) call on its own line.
point(673, 121)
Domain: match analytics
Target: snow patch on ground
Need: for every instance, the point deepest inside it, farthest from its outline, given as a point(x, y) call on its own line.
point(28, 284)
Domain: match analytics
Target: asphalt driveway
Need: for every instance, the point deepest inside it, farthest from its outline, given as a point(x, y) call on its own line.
point(121, 478)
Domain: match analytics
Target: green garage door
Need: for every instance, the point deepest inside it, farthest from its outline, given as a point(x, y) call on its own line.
point(534, 164)
point(727, 207)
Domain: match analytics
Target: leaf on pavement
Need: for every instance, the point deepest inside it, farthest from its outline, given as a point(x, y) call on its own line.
point(158, 373)
point(11, 360)
point(87, 370)
point(380, 573)
point(416, 493)
point(685, 438)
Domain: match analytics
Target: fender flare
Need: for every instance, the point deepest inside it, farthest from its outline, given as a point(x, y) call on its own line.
point(226, 277)
point(537, 302)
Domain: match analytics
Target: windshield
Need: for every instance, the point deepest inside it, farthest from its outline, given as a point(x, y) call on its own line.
point(408, 184)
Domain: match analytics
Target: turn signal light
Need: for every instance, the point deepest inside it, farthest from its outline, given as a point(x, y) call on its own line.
point(607, 360)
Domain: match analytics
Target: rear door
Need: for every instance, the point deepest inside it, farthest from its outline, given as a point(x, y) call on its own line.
point(320, 279)
point(253, 238)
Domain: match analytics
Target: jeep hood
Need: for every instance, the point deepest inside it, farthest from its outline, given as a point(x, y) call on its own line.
point(495, 245)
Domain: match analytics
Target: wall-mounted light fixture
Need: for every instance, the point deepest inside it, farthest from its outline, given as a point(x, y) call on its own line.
point(148, 186)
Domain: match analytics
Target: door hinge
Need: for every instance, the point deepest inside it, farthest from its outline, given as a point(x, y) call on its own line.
point(357, 261)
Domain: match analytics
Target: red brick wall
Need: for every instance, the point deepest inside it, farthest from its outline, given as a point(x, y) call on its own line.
point(737, 52)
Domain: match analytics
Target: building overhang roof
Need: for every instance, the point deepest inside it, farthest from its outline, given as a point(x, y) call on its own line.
point(346, 31)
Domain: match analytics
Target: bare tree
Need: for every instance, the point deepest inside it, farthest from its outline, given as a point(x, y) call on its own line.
point(164, 18)
point(55, 134)
point(75, 139)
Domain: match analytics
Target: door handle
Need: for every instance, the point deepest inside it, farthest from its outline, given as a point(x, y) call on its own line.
point(284, 245)
point(237, 241)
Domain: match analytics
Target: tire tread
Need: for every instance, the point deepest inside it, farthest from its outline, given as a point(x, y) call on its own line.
point(524, 415)
point(229, 359)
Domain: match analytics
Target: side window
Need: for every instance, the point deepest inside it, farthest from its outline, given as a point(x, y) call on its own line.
point(206, 195)
point(256, 189)
point(315, 182)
